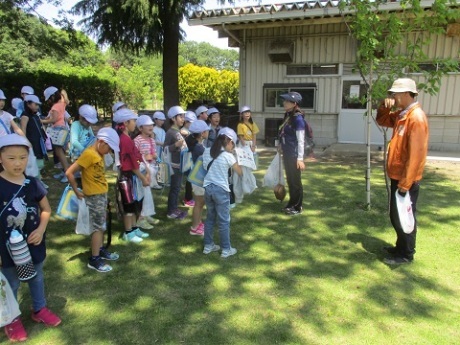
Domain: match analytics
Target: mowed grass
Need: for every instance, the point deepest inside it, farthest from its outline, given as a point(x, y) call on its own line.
point(317, 278)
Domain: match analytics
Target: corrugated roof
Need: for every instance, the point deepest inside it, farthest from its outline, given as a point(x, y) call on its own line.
point(277, 12)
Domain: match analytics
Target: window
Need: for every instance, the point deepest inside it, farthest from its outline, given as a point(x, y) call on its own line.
point(354, 95)
point(312, 69)
point(272, 93)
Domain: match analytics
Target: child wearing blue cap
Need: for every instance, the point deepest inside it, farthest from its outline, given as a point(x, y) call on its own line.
point(95, 188)
point(24, 212)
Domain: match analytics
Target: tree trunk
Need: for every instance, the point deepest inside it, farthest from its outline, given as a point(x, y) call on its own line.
point(171, 66)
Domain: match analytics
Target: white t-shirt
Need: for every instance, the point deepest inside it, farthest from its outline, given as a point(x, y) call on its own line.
point(218, 173)
point(6, 119)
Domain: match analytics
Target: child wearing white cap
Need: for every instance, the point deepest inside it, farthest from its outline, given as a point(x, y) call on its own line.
point(81, 133)
point(24, 208)
point(217, 160)
point(190, 117)
point(214, 125)
point(57, 120)
point(160, 134)
point(146, 146)
point(199, 132)
point(25, 90)
point(32, 127)
point(7, 124)
point(95, 188)
point(175, 143)
point(130, 159)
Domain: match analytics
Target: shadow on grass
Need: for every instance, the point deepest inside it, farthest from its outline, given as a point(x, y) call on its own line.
point(306, 279)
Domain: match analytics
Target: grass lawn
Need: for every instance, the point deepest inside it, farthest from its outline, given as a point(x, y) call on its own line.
point(317, 278)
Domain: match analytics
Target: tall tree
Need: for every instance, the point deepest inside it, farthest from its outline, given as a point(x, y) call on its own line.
point(135, 25)
point(391, 37)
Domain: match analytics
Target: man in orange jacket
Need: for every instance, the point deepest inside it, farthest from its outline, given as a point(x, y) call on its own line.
point(406, 158)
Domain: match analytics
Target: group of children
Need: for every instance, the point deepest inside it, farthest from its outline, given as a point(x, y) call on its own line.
point(25, 207)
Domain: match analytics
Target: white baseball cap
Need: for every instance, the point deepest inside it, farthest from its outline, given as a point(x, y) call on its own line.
point(201, 109)
point(16, 101)
point(158, 115)
point(190, 116)
point(124, 115)
point(28, 98)
point(88, 112)
point(229, 133)
point(174, 111)
point(245, 109)
point(212, 111)
point(2, 95)
point(199, 126)
point(49, 91)
point(117, 106)
point(144, 120)
point(27, 90)
point(13, 140)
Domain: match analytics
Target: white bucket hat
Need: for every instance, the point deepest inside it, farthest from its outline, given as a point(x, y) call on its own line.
point(16, 101)
point(212, 111)
point(2, 95)
point(109, 136)
point(404, 85)
point(13, 140)
point(88, 112)
point(201, 109)
point(245, 109)
point(190, 116)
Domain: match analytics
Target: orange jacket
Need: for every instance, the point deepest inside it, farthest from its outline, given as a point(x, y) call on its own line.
point(408, 147)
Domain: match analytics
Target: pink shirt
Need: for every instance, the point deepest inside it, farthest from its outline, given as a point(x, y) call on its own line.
point(146, 147)
point(59, 108)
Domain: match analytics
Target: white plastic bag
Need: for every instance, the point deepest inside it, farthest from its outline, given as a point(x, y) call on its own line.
point(406, 216)
point(271, 178)
point(9, 308)
point(148, 207)
point(82, 227)
point(32, 167)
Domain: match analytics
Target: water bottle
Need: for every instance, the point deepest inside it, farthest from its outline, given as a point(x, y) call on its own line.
point(19, 252)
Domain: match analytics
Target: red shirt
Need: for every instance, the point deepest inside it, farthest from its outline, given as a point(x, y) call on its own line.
point(130, 156)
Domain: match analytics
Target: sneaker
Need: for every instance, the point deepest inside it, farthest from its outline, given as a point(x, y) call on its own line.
point(64, 179)
point(15, 331)
point(47, 317)
point(189, 203)
point(106, 255)
point(151, 220)
point(99, 265)
point(228, 252)
point(210, 248)
point(140, 233)
point(59, 175)
point(293, 211)
point(157, 187)
point(397, 260)
point(144, 224)
point(232, 205)
point(177, 214)
point(199, 230)
point(131, 237)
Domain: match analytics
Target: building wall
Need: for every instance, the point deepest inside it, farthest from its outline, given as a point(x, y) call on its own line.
point(329, 43)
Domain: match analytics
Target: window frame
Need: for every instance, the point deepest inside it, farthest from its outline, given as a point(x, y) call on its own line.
point(281, 88)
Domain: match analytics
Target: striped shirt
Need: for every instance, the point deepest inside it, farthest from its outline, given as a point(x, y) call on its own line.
point(218, 173)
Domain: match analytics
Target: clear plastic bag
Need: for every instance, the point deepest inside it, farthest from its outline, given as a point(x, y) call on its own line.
point(148, 206)
point(406, 215)
point(271, 178)
point(32, 167)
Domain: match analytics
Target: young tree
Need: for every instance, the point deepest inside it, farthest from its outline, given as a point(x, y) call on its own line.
point(390, 38)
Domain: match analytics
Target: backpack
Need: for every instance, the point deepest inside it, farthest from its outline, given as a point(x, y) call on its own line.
point(309, 143)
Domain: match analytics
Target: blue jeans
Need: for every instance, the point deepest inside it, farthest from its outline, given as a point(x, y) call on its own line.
point(36, 285)
point(218, 210)
point(174, 190)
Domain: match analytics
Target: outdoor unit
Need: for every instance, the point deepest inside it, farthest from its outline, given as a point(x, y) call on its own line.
point(281, 51)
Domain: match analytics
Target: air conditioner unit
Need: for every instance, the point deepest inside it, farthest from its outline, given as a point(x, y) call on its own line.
point(281, 51)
